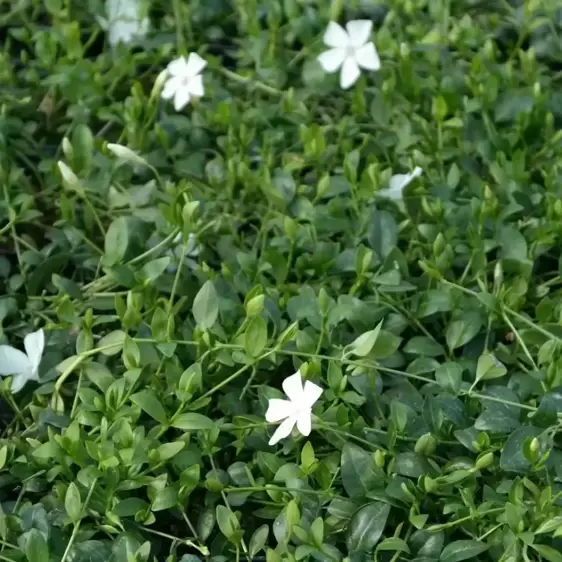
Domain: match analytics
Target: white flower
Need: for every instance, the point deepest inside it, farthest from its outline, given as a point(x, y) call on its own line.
point(295, 411)
point(23, 366)
point(398, 183)
point(350, 50)
point(125, 21)
point(185, 81)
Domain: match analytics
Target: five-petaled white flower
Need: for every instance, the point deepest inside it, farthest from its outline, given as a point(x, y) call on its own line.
point(398, 183)
point(295, 411)
point(22, 366)
point(125, 21)
point(351, 50)
point(185, 81)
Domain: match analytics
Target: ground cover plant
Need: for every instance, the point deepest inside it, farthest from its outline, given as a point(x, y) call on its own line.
point(280, 281)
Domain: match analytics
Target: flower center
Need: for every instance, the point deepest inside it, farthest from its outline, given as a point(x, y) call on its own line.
point(350, 51)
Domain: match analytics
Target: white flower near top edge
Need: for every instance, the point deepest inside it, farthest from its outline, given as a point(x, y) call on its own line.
point(350, 50)
point(125, 21)
point(296, 411)
point(398, 183)
point(185, 81)
point(22, 366)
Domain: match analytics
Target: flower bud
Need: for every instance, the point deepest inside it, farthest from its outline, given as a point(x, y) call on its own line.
point(484, 461)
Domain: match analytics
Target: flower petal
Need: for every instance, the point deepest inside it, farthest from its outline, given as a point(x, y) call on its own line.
point(177, 67)
point(304, 422)
point(19, 380)
point(181, 98)
point(292, 386)
point(144, 26)
point(396, 186)
point(417, 172)
point(367, 57)
point(172, 84)
point(13, 361)
point(311, 393)
point(195, 64)
point(399, 182)
point(349, 73)
point(284, 430)
point(278, 410)
point(389, 194)
point(335, 35)
point(195, 86)
point(120, 33)
point(34, 344)
point(332, 59)
point(359, 32)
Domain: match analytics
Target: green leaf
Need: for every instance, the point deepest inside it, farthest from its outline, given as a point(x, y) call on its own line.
point(116, 242)
point(147, 401)
point(255, 338)
point(489, 368)
point(383, 233)
point(227, 521)
point(366, 527)
point(112, 343)
point(258, 540)
point(206, 306)
point(89, 551)
point(169, 450)
point(550, 525)
point(36, 548)
point(129, 507)
point(512, 457)
point(192, 421)
point(153, 269)
point(394, 544)
point(449, 377)
point(43, 273)
point(82, 147)
point(460, 332)
point(365, 342)
point(165, 499)
point(359, 472)
point(73, 502)
point(548, 553)
point(462, 550)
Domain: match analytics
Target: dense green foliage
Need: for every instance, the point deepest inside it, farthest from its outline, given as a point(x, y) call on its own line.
point(433, 323)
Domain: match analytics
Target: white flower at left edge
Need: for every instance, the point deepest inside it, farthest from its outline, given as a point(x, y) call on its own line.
point(295, 411)
point(398, 183)
point(125, 21)
point(22, 366)
point(185, 81)
point(350, 50)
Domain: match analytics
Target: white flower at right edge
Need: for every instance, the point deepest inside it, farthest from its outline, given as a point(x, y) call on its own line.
point(22, 366)
point(350, 50)
point(185, 81)
point(398, 183)
point(295, 411)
